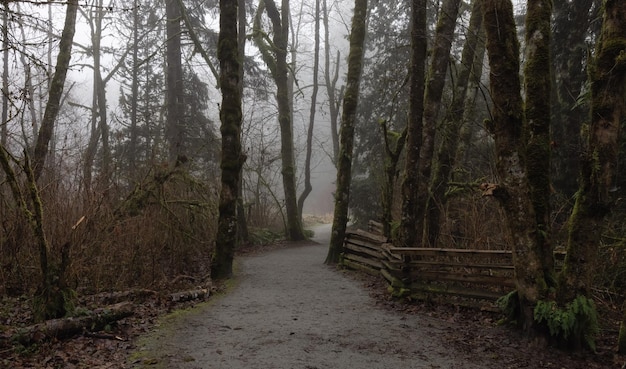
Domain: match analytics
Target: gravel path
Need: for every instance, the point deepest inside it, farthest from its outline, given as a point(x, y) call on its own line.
point(289, 310)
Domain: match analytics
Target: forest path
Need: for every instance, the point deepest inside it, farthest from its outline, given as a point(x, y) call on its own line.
point(290, 310)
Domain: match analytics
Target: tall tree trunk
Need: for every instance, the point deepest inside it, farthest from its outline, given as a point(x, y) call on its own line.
point(394, 144)
point(5, 76)
point(243, 234)
point(280, 23)
point(133, 149)
point(309, 137)
point(56, 89)
point(407, 237)
point(99, 124)
point(572, 21)
point(334, 99)
point(92, 144)
point(174, 85)
point(232, 156)
point(508, 129)
point(432, 101)
point(596, 195)
point(476, 87)
point(452, 122)
point(537, 79)
point(346, 135)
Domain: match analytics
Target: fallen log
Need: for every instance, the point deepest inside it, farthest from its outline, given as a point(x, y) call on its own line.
point(189, 295)
point(93, 321)
point(110, 298)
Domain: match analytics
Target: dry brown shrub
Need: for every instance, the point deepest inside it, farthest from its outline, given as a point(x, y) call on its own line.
point(144, 236)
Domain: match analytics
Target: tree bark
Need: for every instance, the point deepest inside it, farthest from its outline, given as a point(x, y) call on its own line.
point(309, 137)
point(537, 79)
point(432, 101)
point(394, 144)
point(243, 233)
point(334, 98)
point(346, 135)
point(508, 130)
point(452, 123)
point(407, 236)
point(5, 76)
point(174, 85)
point(280, 24)
point(99, 125)
point(133, 145)
point(56, 89)
point(596, 195)
point(232, 156)
point(572, 21)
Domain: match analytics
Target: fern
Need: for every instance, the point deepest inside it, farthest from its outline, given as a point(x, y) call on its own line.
point(577, 320)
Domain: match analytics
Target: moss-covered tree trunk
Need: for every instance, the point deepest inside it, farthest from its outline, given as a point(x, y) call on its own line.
point(232, 156)
point(513, 190)
point(280, 25)
point(571, 27)
point(346, 134)
point(537, 79)
point(394, 145)
point(56, 89)
point(452, 123)
point(432, 101)
point(596, 195)
point(407, 236)
point(243, 232)
point(53, 299)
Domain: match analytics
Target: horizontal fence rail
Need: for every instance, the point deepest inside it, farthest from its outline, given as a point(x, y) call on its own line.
point(444, 273)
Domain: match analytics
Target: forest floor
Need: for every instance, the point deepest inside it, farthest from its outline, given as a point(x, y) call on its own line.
point(286, 309)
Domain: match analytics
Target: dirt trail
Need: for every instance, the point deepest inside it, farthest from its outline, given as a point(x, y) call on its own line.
point(289, 310)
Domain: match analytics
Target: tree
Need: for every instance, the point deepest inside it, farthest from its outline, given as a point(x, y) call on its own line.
point(537, 81)
point(309, 138)
point(452, 123)
point(432, 101)
point(346, 135)
point(508, 130)
point(275, 56)
point(596, 196)
point(383, 103)
point(141, 91)
point(99, 124)
point(331, 78)
point(572, 25)
point(53, 298)
point(56, 89)
point(5, 75)
point(407, 236)
point(232, 156)
point(174, 85)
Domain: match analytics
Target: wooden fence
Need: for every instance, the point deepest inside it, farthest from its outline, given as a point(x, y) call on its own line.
point(454, 275)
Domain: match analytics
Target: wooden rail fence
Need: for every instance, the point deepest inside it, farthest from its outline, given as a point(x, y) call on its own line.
point(449, 274)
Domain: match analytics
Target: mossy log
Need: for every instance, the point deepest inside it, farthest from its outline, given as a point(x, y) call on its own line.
point(93, 321)
point(109, 298)
point(189, 295)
